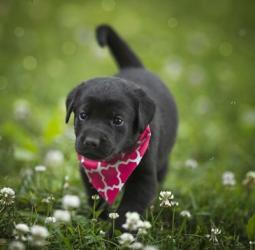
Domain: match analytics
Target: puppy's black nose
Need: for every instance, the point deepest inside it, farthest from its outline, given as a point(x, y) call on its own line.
point(91, 142)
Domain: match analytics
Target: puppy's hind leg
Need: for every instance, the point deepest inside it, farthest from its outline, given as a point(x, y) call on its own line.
point(161, 174)
point(90, 191)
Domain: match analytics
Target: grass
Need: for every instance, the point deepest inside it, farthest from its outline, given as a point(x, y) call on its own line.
point(205, 55)
point(223, 207)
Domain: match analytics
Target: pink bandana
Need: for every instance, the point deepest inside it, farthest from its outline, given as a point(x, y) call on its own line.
point(109, 177)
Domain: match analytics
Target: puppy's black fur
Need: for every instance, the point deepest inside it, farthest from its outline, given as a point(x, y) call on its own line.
point(111, 112)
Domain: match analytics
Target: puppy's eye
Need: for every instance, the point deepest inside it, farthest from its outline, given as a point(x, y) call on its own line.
point(117, 121)
point(83, 116)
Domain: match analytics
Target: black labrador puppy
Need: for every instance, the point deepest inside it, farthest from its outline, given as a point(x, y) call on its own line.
point(110, 114)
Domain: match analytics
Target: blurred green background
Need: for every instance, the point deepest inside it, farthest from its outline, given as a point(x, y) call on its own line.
point(203, 50)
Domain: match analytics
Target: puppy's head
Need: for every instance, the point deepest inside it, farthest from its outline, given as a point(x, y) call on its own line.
point(109, 115)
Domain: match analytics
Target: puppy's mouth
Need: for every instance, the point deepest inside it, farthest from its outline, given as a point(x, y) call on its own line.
point(95, 155)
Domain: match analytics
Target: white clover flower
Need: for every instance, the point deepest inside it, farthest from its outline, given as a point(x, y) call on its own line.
point(39, 232)
point(16, 245)
point(7, 196)
point(214, 233)
point(186, 214)
point(70, 201)
point(62, 215)
point(40, 168)
point(22, 228)
point(136, 245)
point(249, 180)
point(166, 195)
point(93, 220)
point(252, 242)
point(21, 109)
point(191, 163)
point(228, 179)
point(101, 232)
point(50, 220)
point(54, 158)
point(133, 221)
point(150, 248)
point(113, 216)
point(251, 174)
point(48, 199)
point(27, 173)
point(20, 232)
point(95, 197)
point(171, 238)
point(126, 239)
point(167, 199)
point(142, 231)
point(174, 203)
point(66, 183)
point(144, 226)
point(38, 235)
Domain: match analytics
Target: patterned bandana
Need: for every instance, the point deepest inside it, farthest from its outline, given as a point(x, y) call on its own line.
point(108, 177)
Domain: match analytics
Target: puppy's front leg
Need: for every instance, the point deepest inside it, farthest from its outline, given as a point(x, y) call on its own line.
point(139, 191)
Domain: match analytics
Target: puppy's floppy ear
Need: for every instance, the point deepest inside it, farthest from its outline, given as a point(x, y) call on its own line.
point(145, 110)
point(70, 103)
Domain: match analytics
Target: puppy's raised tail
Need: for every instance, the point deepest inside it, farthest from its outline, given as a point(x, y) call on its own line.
point(123, 55)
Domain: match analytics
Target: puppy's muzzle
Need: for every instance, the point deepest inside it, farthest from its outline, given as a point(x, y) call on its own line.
point(91, 142)
point(94, 145)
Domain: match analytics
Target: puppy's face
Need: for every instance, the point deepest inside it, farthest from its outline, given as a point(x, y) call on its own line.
point(108, 116)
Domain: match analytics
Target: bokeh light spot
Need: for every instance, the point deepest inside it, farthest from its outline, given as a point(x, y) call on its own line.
point(225, 49)
point(55, 67)
point(108, 5)
point(198, 43)
point(233, 102)
point(242, 32)
point(196, 75)
point(29, 63)
point(21, 109)
point(3, 82)
point(19, 32)
point(69, 48)
point(174, 68)
point(172, 22)
point(202, 105)
point(98, 52)
point(248, 117)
